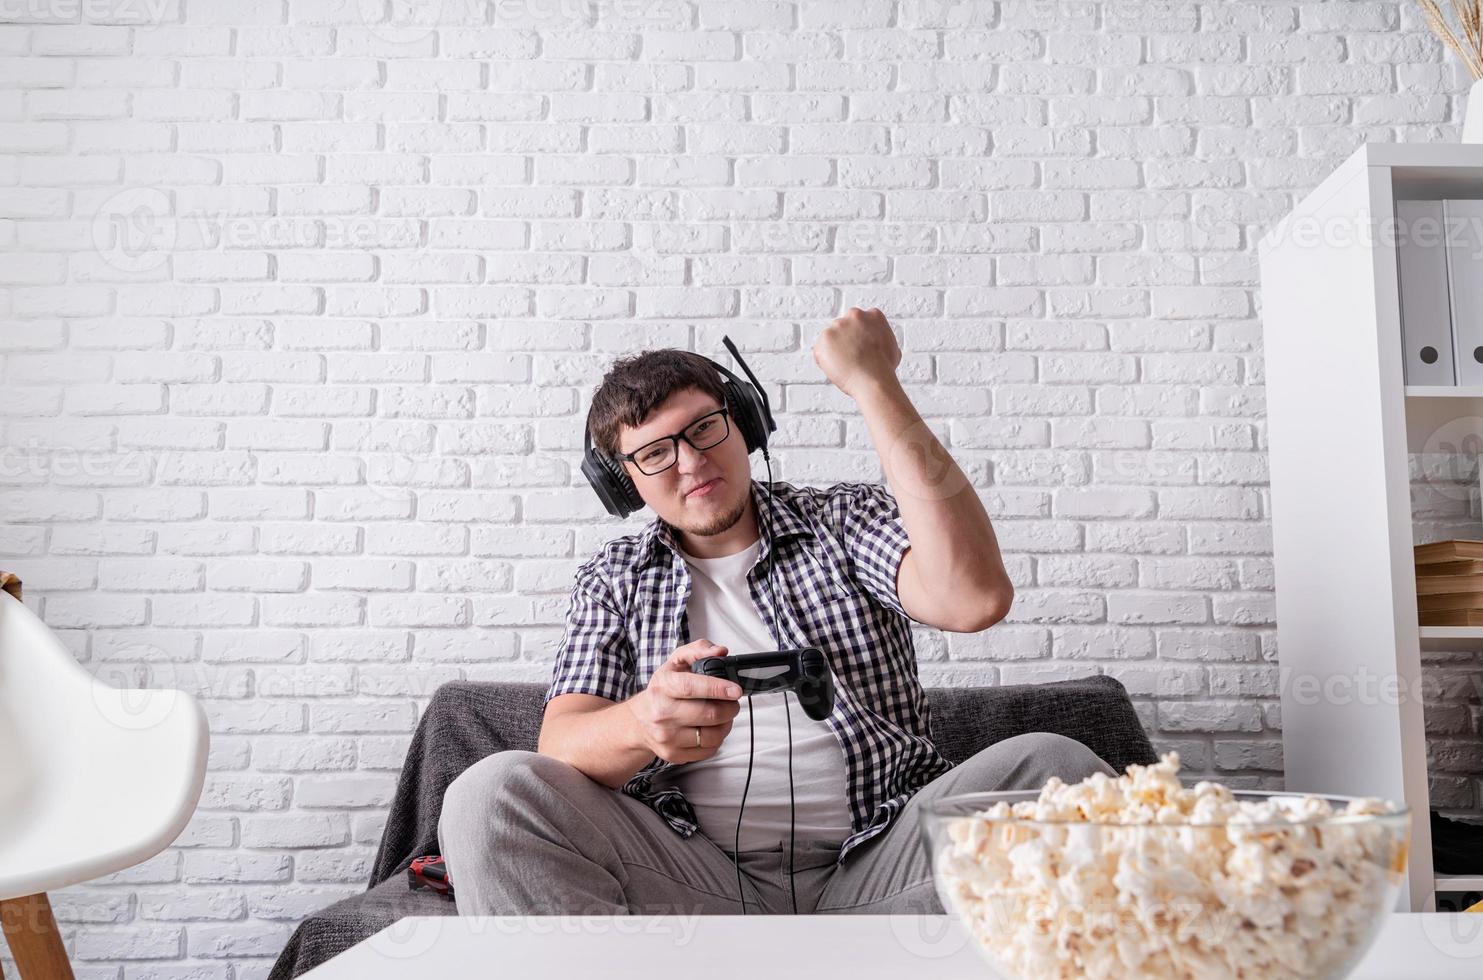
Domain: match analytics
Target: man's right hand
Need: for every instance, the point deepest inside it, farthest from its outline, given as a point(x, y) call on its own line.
point(678, 701)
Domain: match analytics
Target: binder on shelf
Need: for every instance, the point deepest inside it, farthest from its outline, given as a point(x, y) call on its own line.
point(1464, 221)
point(1426, 315)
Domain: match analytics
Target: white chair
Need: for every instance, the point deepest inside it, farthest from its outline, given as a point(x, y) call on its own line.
point(93, 779)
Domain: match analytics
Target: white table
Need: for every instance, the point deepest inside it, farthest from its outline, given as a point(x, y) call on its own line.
point(1436, 946)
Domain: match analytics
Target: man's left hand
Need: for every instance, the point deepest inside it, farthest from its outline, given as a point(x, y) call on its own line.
point(858, 350)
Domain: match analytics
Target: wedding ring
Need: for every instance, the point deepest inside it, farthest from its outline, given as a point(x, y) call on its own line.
point(697, 738)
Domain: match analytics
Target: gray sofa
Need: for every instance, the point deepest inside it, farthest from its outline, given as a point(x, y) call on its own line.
point(466, 721)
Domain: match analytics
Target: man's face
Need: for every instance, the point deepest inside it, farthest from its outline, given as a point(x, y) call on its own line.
point(722, 473)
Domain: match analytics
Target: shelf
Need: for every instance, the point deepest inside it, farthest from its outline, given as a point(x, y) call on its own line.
point(1339, 414)
point(1460, 883)
point(1452, 638)
point(1443, 419)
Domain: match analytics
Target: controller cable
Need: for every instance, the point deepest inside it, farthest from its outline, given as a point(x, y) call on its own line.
point(751, 728)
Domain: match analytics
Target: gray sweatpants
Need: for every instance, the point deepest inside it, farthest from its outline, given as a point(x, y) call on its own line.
point(527, 834)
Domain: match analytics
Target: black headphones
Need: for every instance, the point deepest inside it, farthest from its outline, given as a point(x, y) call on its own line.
point(748, 406)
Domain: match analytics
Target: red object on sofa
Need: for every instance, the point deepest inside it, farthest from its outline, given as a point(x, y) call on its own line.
point(432, 873)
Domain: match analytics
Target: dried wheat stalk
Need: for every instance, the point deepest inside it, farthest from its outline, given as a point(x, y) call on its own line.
point(1469, 46)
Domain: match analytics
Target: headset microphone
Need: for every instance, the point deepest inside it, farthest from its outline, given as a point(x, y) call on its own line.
point(777, 639)
point(787, 715)
point(615, 488)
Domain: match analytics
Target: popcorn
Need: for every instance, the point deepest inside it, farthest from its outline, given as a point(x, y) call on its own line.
point(1138, 875)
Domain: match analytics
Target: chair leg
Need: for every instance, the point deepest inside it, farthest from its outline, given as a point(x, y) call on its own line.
point(34, 939)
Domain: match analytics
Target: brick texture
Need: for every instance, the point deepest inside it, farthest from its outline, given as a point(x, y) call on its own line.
point(304, 300)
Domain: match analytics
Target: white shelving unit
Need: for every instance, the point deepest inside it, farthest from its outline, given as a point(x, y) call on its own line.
point(1340, 422)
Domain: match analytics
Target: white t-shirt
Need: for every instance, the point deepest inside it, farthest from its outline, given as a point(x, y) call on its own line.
point(721, 610)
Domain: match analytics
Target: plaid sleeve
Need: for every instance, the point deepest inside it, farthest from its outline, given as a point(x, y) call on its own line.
point(869, 524)
point(594, 655)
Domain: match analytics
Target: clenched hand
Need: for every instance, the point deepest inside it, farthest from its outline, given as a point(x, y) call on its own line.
point(677, 702)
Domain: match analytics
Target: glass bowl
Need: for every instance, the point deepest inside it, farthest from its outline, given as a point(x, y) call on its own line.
point(1288, 898)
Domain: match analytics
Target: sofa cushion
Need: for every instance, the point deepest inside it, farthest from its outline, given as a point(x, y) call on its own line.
point(466, 720)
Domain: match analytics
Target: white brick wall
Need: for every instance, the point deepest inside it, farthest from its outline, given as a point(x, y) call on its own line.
point(302, 314)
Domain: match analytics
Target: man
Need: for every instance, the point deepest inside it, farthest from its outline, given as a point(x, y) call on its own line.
point(632, 802)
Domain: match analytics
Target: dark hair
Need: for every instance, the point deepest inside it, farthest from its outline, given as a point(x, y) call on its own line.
point(635, 386)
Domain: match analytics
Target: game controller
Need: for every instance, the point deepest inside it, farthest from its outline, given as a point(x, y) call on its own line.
point(431, 872)
point(804, 671)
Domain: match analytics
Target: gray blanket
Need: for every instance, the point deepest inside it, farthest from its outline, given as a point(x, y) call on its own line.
point(466, 720)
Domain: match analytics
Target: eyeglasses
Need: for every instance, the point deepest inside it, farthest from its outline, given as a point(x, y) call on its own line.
point(657, 456)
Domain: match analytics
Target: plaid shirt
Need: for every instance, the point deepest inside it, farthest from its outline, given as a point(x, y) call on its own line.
point(838, 550)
